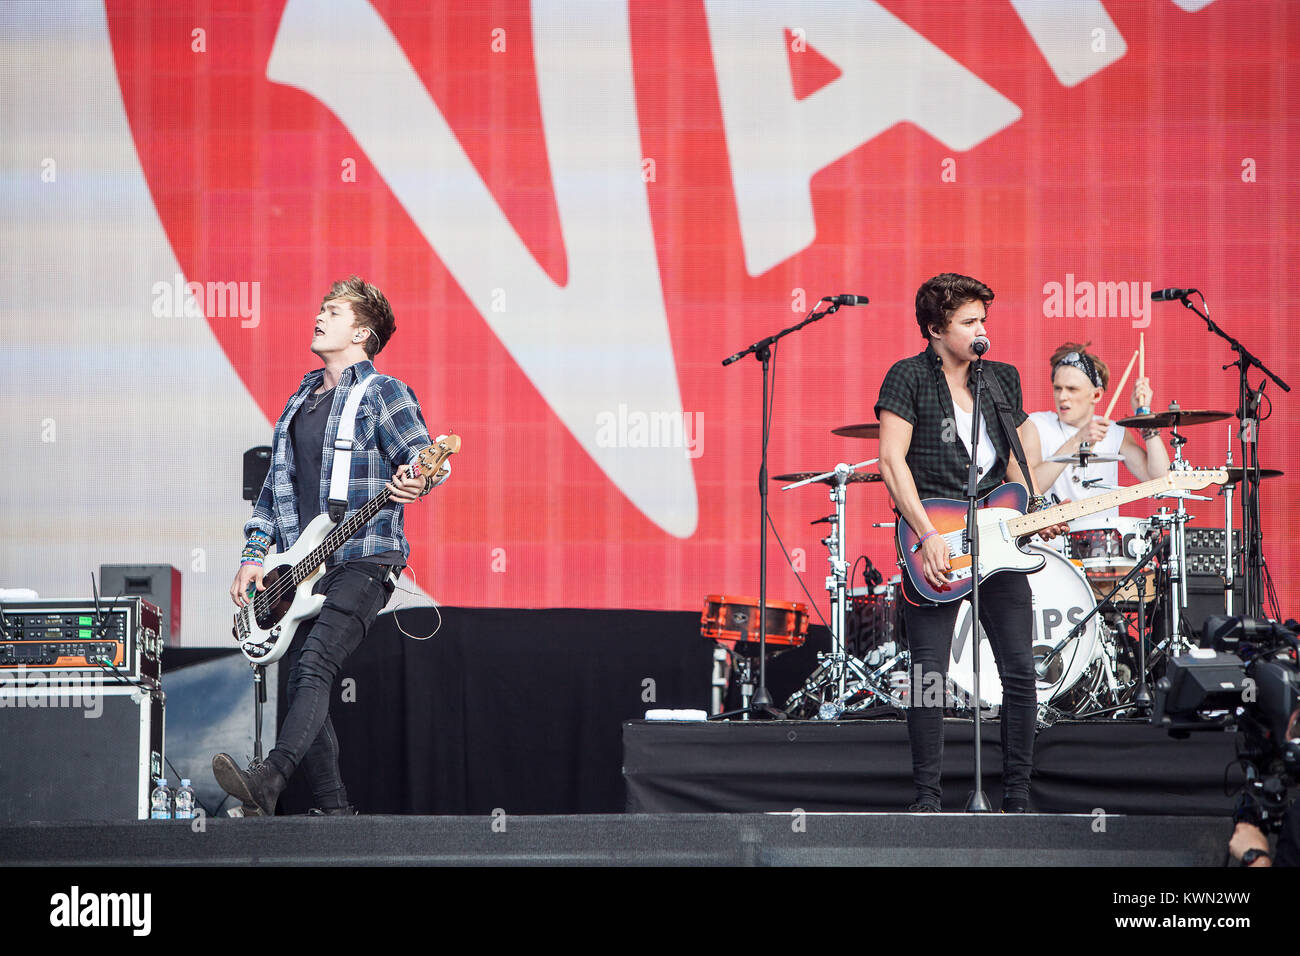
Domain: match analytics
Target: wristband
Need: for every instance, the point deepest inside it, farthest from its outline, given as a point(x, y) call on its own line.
point(1253, 854)
point(917, 547)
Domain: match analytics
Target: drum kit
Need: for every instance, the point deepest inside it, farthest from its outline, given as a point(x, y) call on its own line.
point(1107, 605)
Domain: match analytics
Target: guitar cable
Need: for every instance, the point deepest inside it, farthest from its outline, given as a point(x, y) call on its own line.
point(411, 591)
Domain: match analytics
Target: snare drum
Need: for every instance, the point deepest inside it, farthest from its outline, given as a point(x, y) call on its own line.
point(1109, 549)
point(1061, 599)
point(733, 622)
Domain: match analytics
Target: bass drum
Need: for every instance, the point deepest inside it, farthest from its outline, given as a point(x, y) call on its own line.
point(1062, 597)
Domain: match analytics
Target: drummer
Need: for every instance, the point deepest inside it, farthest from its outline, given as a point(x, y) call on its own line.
point(1079, 380)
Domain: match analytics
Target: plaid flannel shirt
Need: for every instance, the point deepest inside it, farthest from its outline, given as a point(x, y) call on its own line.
point(390, 432)
point(915, 390)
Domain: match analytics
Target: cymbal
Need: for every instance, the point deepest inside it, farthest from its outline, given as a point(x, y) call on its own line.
point(1234, 473)
point(1171, 419)
point(870, 430)
point(857, 476)
point(1091, 458)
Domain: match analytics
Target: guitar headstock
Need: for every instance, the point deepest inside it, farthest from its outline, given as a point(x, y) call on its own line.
point(1196, 478)
point(431, 457)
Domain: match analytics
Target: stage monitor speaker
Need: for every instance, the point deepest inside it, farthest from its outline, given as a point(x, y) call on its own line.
point(1206, 597)
point(85, 751)
point(257, 462)
point(159, 584)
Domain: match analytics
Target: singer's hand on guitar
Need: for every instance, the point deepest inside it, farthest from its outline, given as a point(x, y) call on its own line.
point(935, 561)
point(249, 574)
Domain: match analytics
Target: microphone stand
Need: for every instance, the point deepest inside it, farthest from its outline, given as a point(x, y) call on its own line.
point(977, 802)
point(1252, 533)
point(760, 704)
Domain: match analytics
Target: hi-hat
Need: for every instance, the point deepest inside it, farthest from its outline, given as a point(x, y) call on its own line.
point(1086, 458)
point(870, 430)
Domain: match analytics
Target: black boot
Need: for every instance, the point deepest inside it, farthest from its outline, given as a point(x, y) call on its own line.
point(258, 787)
point(348, 811)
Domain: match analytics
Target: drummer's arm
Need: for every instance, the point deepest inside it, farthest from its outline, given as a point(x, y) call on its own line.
point(1028, 433)
point(1046, 472)
point(1145, 463)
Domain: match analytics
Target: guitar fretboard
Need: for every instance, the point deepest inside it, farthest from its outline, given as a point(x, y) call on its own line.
point(1061, 514)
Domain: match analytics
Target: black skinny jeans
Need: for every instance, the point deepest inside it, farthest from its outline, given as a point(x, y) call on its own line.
point(355, 593)
point(1007, 615)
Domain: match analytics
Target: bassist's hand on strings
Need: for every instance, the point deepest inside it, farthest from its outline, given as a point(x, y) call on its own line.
point(249, 574)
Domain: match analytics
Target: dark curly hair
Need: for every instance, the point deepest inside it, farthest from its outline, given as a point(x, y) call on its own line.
point(940, 297)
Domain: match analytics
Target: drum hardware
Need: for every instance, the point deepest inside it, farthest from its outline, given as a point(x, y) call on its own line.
point(1085, 456)
point(828, 478)
point(829, 684)
point(869, 430)
point(1248, 420)
point(1135, 576)
point(1172, 418)
point(1061, 595)
point(763, 351)
point(734, 624)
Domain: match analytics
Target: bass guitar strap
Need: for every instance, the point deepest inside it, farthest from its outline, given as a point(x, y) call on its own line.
point(342, 470)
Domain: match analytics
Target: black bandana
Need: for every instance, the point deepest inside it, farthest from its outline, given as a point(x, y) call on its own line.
point(1083, 362)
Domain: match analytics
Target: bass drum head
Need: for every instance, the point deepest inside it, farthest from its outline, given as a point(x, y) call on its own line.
point(1061, 598)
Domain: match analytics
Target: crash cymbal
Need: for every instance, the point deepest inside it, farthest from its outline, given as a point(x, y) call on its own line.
point(1088, 458)
point(1234, 473)
point(871, 430)
point(1173, 418)
point(857, 476)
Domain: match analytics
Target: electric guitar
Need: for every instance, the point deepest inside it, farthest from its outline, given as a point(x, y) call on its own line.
point(1003, 523)
point(265, 626)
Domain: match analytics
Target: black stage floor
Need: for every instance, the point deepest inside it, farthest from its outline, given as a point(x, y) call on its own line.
point(743, 839)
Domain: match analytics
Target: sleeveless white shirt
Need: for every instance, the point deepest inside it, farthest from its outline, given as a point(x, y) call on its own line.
point(1052, 434)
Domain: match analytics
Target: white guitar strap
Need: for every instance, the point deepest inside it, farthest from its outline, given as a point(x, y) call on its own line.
point(342, 470)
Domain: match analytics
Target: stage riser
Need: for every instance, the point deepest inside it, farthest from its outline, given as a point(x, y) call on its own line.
point(1079, 767)
point(632, 839)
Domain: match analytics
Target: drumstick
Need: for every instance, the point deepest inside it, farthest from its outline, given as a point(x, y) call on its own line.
point(1142, 355)
point(1119, 389)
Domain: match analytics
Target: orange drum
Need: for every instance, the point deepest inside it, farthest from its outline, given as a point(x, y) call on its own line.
point(733, 622)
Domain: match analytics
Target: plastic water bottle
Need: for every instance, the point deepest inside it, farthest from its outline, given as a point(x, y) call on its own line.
point(160, 802)
point(185, 801)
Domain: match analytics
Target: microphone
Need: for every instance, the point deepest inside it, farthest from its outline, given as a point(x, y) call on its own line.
point(1168, 295)
point(980, 345)
point(845, 299)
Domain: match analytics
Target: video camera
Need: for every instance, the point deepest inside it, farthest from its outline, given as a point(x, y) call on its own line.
point(1244, 678)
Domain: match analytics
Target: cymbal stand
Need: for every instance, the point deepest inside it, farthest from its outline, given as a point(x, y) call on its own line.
point(835, 667)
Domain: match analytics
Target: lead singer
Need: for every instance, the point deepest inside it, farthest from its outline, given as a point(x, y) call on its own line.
point(925, 409)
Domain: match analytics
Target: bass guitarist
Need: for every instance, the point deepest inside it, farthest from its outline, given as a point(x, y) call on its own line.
point(354, 324)
point(925, 411)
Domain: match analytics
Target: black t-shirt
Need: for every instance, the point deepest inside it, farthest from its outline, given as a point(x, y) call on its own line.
point(307, 432)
